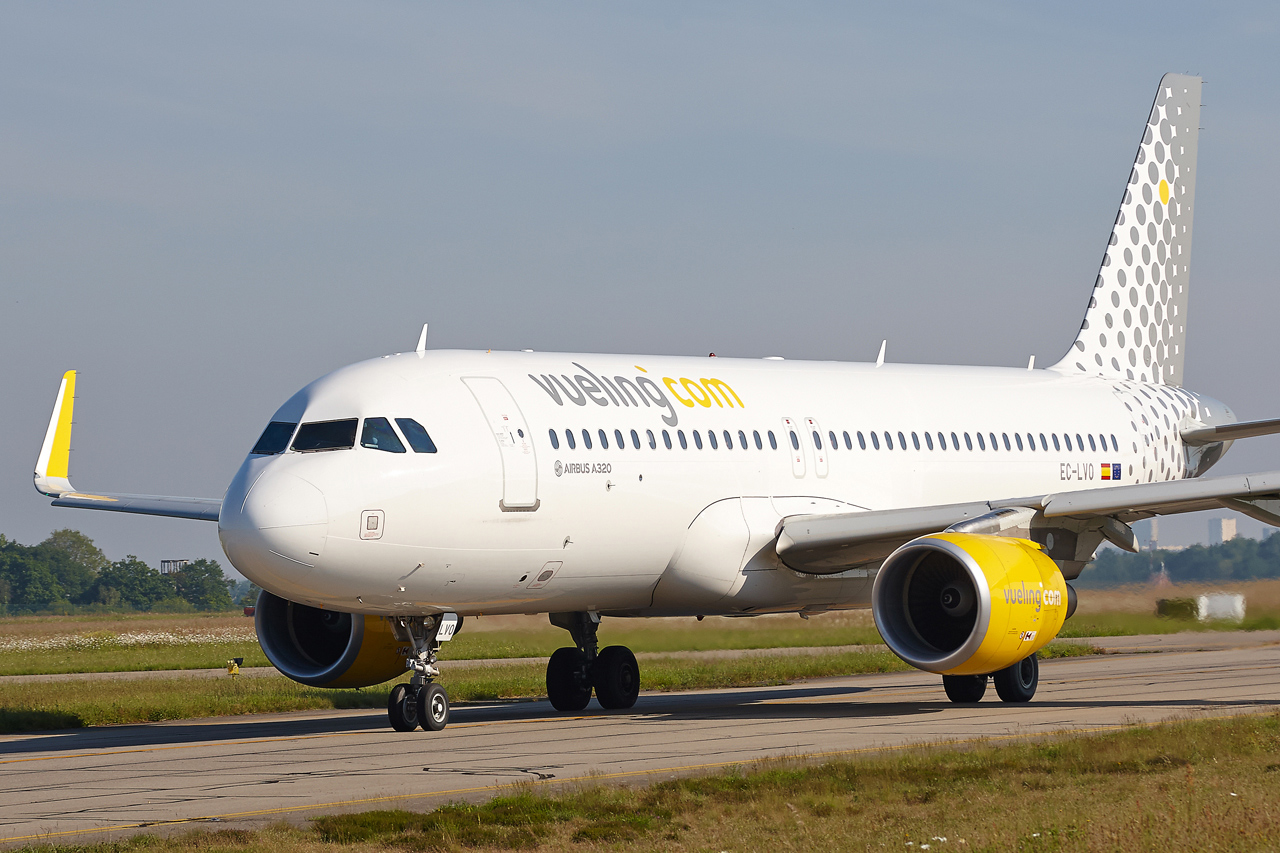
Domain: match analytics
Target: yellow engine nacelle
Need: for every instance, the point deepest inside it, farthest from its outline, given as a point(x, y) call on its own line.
point(968, 604)
point(325, 648)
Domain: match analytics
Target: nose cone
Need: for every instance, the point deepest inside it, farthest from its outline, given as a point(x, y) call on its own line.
point(279, 527)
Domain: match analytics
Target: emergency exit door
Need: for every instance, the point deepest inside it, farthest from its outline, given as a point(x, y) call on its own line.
point(515, 445)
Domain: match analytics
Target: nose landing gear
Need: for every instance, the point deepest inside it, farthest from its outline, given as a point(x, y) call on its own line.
point(572, 673)
point(422, 702)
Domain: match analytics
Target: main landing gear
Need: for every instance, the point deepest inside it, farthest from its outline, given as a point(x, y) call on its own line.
point(1016, 683)
point(422, 702)
point(572, 673)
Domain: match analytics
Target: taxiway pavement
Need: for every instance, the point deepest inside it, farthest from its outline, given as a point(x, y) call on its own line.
point(252, 771)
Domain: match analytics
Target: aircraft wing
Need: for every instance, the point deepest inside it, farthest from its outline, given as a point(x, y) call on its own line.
point(52, 480)
point(824, 544)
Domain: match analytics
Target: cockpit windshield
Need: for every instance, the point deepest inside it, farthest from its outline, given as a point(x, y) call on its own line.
point(378, 435)
point(326, 435)
point(275, 438)
point(416, 435)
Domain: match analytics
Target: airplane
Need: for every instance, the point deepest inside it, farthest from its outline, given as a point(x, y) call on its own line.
point(392, 498)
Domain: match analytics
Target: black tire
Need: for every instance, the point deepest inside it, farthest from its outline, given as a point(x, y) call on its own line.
point(566, 687)
point(1018, 683)
point(402, 708)
point(616, 677)
point(433, 708)
point(964, 688)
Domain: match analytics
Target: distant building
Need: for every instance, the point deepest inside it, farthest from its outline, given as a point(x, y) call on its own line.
point(1221, 530)
point(1151, 540)
point(168, 567)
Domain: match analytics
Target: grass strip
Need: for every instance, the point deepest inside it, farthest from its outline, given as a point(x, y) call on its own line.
point(1192, 785)
point(74, 704)
point(42, 706)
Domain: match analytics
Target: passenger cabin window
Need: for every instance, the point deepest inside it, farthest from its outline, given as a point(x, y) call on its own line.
point(862, 442)
point(697, 439)
point(756, 434)
point(653, 442)
point(635, 439)
point(902, 440)
point(604, 439)
point(666, 439)
point(982, 445)
point(915, 441)
point(817, 440)
point(555, 439)
point(875, 440)
point(1017, 437)
point(773, 441)
point(275, 438)
point(620, 442)
point(795, 441)
point(1093, 445)
point(835, 445)
point(968, 442)
point(1056, 446)
point(928, 439)
point(326, 435)
point(684, 442)
point(568, 436)
point(742, 439)
point(1067, 439)
point(848, 443)
point(586, 439)
point(378, 435)
point(417, 437)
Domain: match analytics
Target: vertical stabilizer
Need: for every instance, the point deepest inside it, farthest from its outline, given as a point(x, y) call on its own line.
point(1135, 327)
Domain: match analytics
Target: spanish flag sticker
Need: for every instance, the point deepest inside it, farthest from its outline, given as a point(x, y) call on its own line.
point(1106, 471)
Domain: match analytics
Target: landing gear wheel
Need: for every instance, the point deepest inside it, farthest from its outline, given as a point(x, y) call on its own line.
point(433, 708)
point(567, 689)
point(616, 677)
point(1018, 683)
point(964, 688)
point(402, 708)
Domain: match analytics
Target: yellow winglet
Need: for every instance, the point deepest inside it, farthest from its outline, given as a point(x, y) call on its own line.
point(51, 477)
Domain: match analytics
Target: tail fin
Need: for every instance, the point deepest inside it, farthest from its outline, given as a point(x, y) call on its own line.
point(1135, 327)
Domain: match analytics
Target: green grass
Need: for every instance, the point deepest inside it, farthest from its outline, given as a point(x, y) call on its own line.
point(72, 703)
point(132, 659)
point(1202, 785)
point(1117, 624)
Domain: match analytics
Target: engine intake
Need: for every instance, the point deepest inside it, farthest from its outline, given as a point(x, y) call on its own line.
point(968, 604)
point(325, 648)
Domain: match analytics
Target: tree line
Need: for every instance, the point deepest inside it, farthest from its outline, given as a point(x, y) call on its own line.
point(67, 573)
point(1233, 560)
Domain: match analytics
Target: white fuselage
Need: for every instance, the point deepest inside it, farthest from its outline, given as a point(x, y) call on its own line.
point(500, 520)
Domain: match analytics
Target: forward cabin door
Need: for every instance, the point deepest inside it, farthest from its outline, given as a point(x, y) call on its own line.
point(515, 444)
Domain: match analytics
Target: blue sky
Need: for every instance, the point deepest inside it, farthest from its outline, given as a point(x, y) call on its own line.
point(204, 208)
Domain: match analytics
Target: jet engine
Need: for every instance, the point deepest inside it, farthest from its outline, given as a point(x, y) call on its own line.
point(325, 648)
point(969, 604)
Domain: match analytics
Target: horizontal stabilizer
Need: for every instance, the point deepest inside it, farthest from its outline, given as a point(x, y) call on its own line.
point(52, 474)
point(1230, 432)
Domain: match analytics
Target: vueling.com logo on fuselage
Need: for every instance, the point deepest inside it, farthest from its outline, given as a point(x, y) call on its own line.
point(639, 391)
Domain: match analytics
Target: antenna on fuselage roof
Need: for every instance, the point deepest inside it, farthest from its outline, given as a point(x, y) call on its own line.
point(880, 357)
point(422, 340)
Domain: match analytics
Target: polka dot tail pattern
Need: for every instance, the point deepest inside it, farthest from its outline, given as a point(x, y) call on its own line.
point(1135, 328)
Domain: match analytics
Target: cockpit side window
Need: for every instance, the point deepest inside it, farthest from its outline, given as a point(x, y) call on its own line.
point(326, 435)
point(275, 438)
point(416, 435)
point(378, 435)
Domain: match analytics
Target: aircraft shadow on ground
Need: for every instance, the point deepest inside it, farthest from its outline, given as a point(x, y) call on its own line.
point(800, 702)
